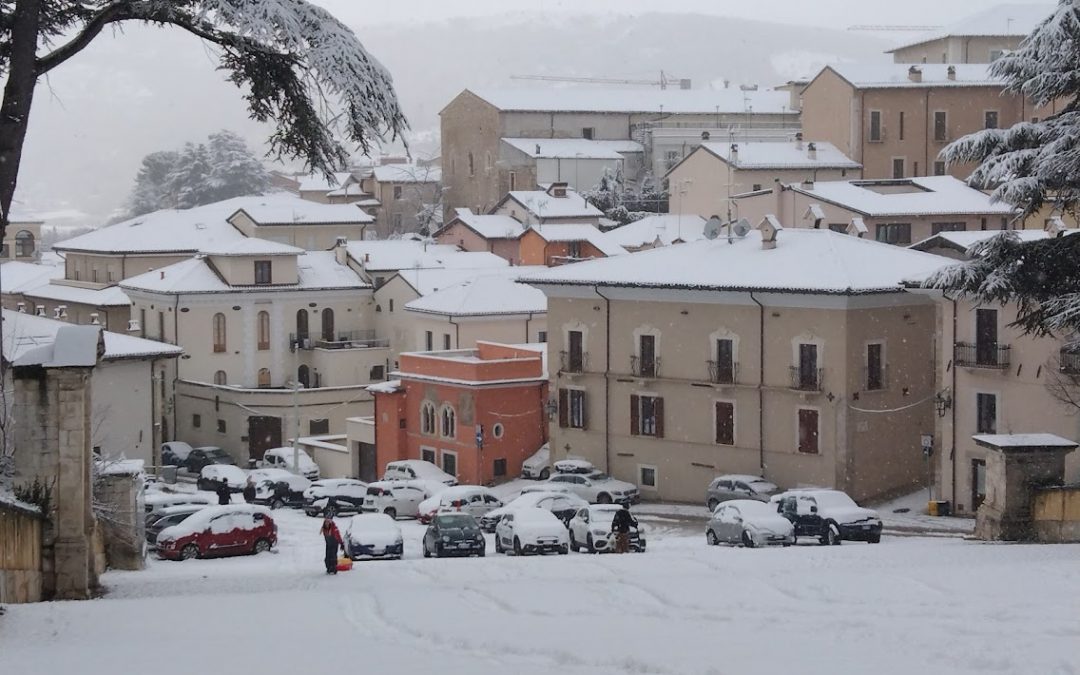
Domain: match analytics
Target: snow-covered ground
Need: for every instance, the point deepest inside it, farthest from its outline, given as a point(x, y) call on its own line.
point(906, 605)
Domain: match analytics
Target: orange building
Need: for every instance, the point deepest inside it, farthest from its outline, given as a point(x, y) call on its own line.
point(552, 245)
point(477, 413)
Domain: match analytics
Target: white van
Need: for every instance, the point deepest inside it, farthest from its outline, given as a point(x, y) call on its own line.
point(412, 469)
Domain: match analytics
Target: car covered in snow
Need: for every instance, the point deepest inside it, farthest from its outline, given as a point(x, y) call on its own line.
point(333, 496)
point(471, 499)
point(527, 531)
point(206, 455)
point(373, 535)
point(546, 486)
point(538, 464)
point(167, 517)
point(451, 534)
point(737, 486)
point(563, 504)
point(748, 522)
point(395, 498)
point(212, 475)
point(174, 453)
point(289, 459)
point(279, 488)
point(574, 465)
point(598, 487)
point(412, 469)
point(218, 531)
point(590, 528)
point(828, 515)
point(159, 501)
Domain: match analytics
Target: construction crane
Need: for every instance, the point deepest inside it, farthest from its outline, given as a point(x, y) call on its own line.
point(664, 82)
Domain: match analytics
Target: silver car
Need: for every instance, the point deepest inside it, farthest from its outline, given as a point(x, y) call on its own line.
point(750, 523)
point(736, 486)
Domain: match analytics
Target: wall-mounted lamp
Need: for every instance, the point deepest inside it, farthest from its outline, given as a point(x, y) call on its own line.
point(942, 402)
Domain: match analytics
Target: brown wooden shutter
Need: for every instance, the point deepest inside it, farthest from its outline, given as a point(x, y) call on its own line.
point(584, 410)
point(808, 431)
point(564, 408)
point(659, 411)
point(725, 423)
point(635, 421)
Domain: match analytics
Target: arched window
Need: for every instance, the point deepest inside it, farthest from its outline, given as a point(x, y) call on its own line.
point(24, 244)
point(449, 422)
point(427, 418)
point(328, 325)
point(264, 330)
point(301, 325)
point(221, 378)
point(219, 332)
point(303, 376)
point(264, 378)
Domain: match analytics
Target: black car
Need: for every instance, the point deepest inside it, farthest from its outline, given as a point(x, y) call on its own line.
point(206, 455)
point(830, 516)
point(280, 494)
point(453, 534)
point(334, 497)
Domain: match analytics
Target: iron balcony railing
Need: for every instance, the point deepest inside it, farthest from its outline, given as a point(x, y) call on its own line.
point(725, 372)
point(354, 339)
point(1069, 361)
point(806, 379)
point(573, 362)
point(982, 355)
point(645, 367)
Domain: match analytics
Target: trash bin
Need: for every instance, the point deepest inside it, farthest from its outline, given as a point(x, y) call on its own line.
point(939, 507)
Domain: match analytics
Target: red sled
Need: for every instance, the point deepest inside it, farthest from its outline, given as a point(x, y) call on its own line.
point(344, 564)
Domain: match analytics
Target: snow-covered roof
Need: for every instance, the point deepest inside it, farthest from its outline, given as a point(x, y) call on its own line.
point(406, 173)
point(317, 182)
point(780, 155)
point(580, 232)
point(670, 101)
point(429, 280)
point(111, 296)
point(923, 196)
point(543, 205)
point(1039, 440)
point(573, 148)
point(804, 261)
point(666, 227)
point(388, 387)
point(1010, 20)
point(350, 190)
point(254, 246)
point(485, 296)
point(17, 276)
point(403, 254)
point(306, 213)
point(489, 226)
point(898, 75)
point(24, 333)
point(962, 241)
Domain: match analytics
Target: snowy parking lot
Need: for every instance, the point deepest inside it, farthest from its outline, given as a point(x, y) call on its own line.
point(909, 604)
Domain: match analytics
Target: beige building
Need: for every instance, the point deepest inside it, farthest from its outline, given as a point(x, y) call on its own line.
point(21, 240)
point(555, 204)
point(578, 162)
point(895, 119)
point(982, 37)
point(498, 234)
point(702, 183)
point(793, 354)
point(409, 196)
point(892, 211)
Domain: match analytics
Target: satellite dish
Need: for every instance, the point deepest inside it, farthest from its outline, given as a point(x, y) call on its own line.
point(741, 227)
point(713, 227)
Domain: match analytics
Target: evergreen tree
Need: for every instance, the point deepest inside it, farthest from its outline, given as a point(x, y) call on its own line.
point(234, 170)
point(151, 183)
point(190, 181)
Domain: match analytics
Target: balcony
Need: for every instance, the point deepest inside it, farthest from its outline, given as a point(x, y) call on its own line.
point(806, 379)
point(648, 368)
point(355, 339)
point(573, 362)
point(982, 355)
point(726, 372)
point(1069, 361)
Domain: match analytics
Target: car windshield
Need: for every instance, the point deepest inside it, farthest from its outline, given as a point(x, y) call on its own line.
point(752, 508)
point(763, 486)
point(375, 492)
point(602, 515)
point(216, 454)
point(833, 500)
point(456, 522)
point(599, 475)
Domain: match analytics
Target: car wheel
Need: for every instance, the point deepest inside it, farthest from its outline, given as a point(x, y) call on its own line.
point(390, 511)
point(277, 504)
point(573, 542)
point(188, 552)
point(590, 545)
point(498, 545)
point(711, 537)
point(438, 550)
point(564, 550)
point(603, 498)
point(545, 474)
point(517, 546)
point(482, 551)
point(427, 553)
point(712, 505)
point(747, 539)
point(874, 539)
point(832, 535)
point(261, 546)
point(330, 512)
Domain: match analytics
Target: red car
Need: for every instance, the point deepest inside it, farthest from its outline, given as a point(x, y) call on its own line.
point(219, 531)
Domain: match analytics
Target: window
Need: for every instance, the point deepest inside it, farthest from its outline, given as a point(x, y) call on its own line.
point(93, 275)
point(391, 304)
point(220, 378)
point(376, 373)
point(646, 356)
point(725, 423)
point(446, 341)
point(724, 366)
point(161, 326)
point(264, 378)
point(671, 158)
point(513, 181)
point(397, 192)
point(575, 361)
point(647, 416)
point(647, 476)
point(264, 330)
point(939, 168)
point(449, 462)
point(328, 325)
point(755, 187)
point(319, 427)
point(263, 270)
point(196, 421)
point(427, 418)
point(142, 322)
point(990, 119)
point(221, 426)
point(448, 422)
point(894, 233)
point(497, 430)
point(808, 431)
point(986, 337)
point(978, 483)
point(937, 228)
point(541, 336)
point(301, 325)
point(875, 126)
point(429, 341)
point(24, 244)
point(838, 227)
point(898, 167)
point(986, 413)
point(901, 125)
point(398, 222)
point(588, 133)
point(572, 411)
point(941, 126)
point(427, 454)
point(303, 376)
point(219, 333)
point(875, 366)
point(498, 468)
point(808, 376)
point(573, 250)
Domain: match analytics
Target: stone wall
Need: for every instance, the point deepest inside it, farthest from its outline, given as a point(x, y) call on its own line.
point(20, 556)
point(1056, 514)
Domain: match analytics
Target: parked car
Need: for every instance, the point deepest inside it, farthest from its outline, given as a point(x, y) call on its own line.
point(155, 503)
point(574, 465)
point(525, 531)
point(334, 496)
point(279, 488)
point(735, 486)
point(829, 515)
point(748, 522)
point(453, 534)
point(410, 469)
point(563, 504)
point(212, 476)
point(174, 453)
point(167, 517)
point(590, 528)
point(207, 454)
point(284, 458)
point(471, 499)
point(217, 531)
point(538, 465)
point(373, 535)
point(395, 498)
point(598, 488)
point(546, 486)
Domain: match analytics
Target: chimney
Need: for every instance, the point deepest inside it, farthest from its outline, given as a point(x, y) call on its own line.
point(557, 190)
point(341, 252)
point(94, 321)
point(811, 150)
point(162, 274)
point(778, 194)
point(734, 153)
point(705, 136)
point(21, 306)
point(798, 140)
point(537, 149)
point(367, 257)
point(769, 228)
point(133, 326)
point(39, 310)
point(914, 74)
point(808, 184)
point(950, 73)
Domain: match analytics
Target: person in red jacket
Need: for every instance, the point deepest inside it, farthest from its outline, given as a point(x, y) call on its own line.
point(332, 538)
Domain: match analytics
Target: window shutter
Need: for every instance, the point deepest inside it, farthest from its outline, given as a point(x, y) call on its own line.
point(584, 411)
point(659, 409)
point(725, 423)
point(635, 421)
point(564, 408)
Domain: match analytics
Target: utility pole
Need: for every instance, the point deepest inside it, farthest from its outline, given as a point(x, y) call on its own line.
point(296, 434)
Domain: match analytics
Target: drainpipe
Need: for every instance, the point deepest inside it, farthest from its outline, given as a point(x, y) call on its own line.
point(176, 340)
point(761, 382)
point(952, 412)
point(123, 266)
point(457, 332)
point(928, 169)
point(607, 378)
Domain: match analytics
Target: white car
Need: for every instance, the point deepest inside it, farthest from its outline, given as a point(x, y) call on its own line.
point(213, 474)
point(411, 469)
point(598, 487)
point(525, 531)
point(395, 498)
point(574, 465)
point(563, 504)
point(538, 465)
point(471, 499)
point(749, 522)
point(373, 535)
point(287, 458)
point(590, 528)
point(546, 486)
